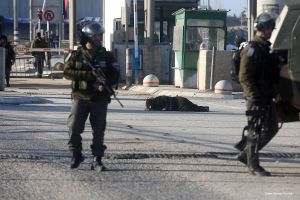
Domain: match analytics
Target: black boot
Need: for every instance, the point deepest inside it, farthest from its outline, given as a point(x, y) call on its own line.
point(76, 160)
point(242, 157)
point(97, 164)
point(252, 158)
point(242, 143)
point(7, 83)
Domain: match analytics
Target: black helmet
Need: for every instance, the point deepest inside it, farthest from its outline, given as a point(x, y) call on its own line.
point(265, 21)
point(90, 29)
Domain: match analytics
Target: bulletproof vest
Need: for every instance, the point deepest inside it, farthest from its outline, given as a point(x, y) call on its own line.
point(99, 62)
point(265, 70)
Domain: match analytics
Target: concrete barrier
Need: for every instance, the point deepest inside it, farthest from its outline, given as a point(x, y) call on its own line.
point(151, 81)
point(223, 87)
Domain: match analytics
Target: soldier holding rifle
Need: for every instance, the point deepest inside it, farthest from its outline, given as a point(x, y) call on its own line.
point(93, 72)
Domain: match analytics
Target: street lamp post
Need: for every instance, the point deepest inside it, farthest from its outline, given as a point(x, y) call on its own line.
point(72, 24)
point(40, 17)
point(16, 32)
point(252, 7)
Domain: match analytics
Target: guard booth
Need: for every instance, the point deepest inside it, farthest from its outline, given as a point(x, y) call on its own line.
point(195, 30)
point(286, 38)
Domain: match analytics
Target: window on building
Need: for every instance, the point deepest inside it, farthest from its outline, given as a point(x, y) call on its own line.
point(271, 8)
point(117, 24)
point(204, 38)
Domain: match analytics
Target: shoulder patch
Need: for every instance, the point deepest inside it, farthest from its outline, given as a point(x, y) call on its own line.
point(250, 52)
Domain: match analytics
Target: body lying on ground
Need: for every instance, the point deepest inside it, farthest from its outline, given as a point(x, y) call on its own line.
point(177, 103)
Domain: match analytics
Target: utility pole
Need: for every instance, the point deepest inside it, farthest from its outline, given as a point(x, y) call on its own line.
point(149, 21)
point(252, 7)
point(16, 32)
point(127, 20)
point(135, 25)
point(72, 24)
point(30, 21)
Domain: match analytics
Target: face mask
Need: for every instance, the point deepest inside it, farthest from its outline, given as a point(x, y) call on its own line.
point(96, 40)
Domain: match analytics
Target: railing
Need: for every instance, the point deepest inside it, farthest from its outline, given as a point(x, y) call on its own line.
point(24, 65)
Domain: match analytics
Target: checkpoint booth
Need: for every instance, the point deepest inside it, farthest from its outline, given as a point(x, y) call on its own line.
point(286, 38)
point(195, 30)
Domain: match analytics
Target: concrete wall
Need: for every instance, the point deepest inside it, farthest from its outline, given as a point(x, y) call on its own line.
point(90, 8)
point(261, 3)
point(221, 70)
point(112, 10)
point(156, 60)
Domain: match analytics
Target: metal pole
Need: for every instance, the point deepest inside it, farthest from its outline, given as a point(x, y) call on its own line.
point(39, 22)
point(30, 20)
point(126, 24)
point(254, 12)
point(212, 70)
point(128, 68)
point(59, 36)
point(72, 24)
point(136, 41)
point(149, 21)
point(252, 7)
point(103, 21)
point(2, 68)
point(16, 32)
point(48, 29)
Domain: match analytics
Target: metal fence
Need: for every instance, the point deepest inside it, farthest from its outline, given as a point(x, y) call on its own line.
point(24, 64)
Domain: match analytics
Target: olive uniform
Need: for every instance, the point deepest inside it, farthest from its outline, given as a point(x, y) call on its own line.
point(88, 100)
point(258, 76)
point(39, 42)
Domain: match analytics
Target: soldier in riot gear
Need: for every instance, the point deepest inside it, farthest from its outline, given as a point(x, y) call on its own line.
point(90, 96)
point(258, 77)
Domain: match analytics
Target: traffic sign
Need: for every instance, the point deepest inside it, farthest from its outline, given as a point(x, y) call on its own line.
point(49, 15)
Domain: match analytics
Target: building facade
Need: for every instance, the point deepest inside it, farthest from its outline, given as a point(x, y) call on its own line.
point(269, 6)
point(90, 8)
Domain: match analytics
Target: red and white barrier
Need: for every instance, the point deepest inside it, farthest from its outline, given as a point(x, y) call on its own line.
point(22, 50)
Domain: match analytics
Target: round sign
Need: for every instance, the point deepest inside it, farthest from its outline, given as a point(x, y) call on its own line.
point(48, 15)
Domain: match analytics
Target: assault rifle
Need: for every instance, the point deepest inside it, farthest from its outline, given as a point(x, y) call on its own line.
point(101, 77)
point(258, 122)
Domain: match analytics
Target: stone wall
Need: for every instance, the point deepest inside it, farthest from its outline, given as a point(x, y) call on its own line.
point(221, 69)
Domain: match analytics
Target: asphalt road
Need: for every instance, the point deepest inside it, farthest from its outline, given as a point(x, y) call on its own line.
point(150, 155)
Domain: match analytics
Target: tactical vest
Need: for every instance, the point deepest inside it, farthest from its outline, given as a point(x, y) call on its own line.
point(79, 84)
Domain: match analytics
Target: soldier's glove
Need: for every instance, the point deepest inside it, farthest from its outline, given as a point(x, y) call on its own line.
point(254, 100)
point(99, 86)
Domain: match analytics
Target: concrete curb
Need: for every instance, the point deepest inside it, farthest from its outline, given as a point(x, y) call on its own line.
point(21, 100)
point(14, 98)
point(171, 91)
